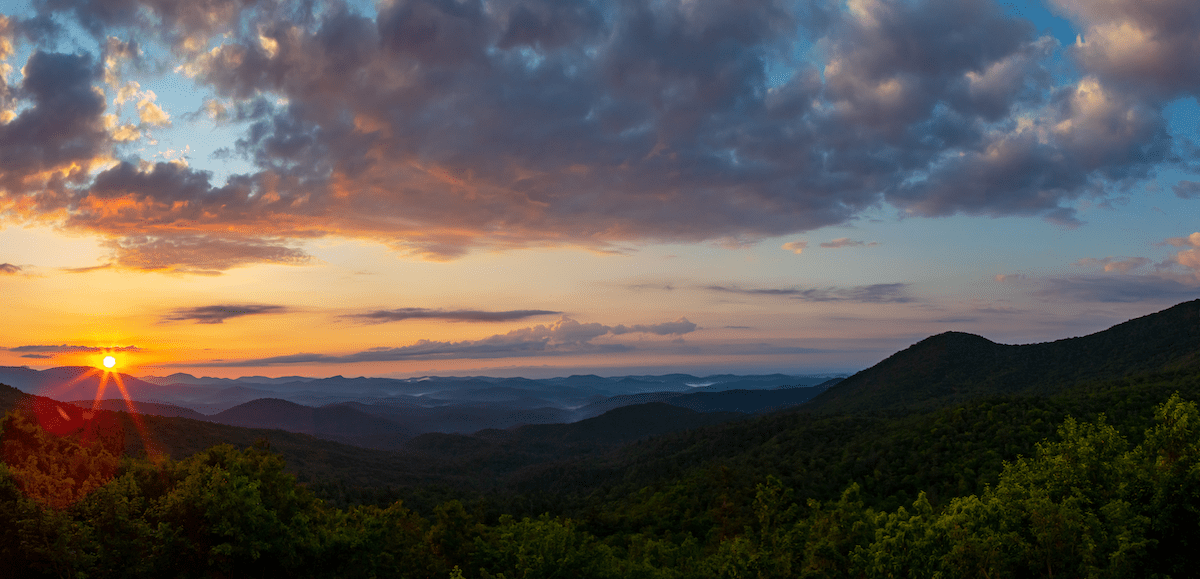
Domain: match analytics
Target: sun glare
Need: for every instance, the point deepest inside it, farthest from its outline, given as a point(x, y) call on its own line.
point(109, 361)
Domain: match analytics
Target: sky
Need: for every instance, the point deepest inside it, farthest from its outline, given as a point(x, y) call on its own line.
point(550, 187)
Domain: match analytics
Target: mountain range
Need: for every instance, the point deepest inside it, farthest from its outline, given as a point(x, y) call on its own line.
point(383, 413)
point(488, 436)
point(1028, 443)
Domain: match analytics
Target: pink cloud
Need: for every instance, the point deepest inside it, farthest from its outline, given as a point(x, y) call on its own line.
point(847, 242)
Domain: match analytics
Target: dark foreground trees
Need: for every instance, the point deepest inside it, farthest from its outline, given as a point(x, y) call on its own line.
point(1088, 503)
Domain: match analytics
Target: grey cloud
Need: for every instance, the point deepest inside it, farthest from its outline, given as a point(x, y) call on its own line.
point(46, 149)
point(73, 349)
point(217, 314)
point(86, 269)
point(1086, 134)
point(896, 61)
point(755, 292)
point(9, 269)
point(452, 315)
point(442, 126)
point(847, 242)
point(200, 254)
point(1004, 310)
point(180, 23)
point(956, 320)
point(37, 356)
point(876, 293)
point(1117, 289)
point(1187, 190)
point(678, 327)
point(651, 286)
point(1144, 46)
point(563, 337)
point(543, 24)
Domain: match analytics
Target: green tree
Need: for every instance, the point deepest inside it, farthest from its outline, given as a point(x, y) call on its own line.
point(57, 471)
point(543, 548)
point(237, 511)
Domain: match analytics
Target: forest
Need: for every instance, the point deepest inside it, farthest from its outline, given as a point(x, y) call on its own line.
point(1001, 487)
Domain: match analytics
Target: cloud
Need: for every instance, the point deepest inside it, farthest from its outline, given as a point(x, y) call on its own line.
point(1007, 277)
point(1187, 190)
point(73, 349)
point(452, 315)
point(1189, 258)
point(1004, 310)
point(200, 254)
point(219, 313)
point(86, 269)
point(847, 242)
point(37, 356)
point(1119, 289)
point(876, 293)
point(1113, 264)
point(956, 320)
point(563, 337)
point(796, 247)
point(150, 113)
point(9, 269)
point(1192, 240)
point(676, 328)
point(49, 146)
point(438, 128)
point(651, 286)
point(1144, 46)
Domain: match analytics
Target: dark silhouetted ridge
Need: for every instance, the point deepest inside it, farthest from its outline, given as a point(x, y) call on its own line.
point(955, 366)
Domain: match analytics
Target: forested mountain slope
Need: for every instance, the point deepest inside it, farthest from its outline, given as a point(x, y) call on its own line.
point(955, 367)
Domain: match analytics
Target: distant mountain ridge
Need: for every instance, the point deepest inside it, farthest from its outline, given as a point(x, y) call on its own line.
point(383, 413)
point(954, 366)
point(523, 445)
point(213, 395)
point(181, 378)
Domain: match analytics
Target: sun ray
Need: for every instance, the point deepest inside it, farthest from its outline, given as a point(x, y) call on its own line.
point(72, 382)
point(152, 449)
point(100, 391)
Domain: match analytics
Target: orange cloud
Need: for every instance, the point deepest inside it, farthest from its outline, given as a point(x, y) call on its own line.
point(796, 247)
point(1111, 264)
point(1189, 258)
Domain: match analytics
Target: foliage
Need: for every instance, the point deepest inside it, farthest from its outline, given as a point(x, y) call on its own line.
point(990, 489)
point(57, 471)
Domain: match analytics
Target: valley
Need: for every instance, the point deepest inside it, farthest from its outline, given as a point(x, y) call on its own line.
point(948, 421)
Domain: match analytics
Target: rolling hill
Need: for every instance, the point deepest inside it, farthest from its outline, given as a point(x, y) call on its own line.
point(842, 432)
point(955, 367)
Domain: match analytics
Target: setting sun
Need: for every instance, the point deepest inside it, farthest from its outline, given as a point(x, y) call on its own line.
point(109, 361)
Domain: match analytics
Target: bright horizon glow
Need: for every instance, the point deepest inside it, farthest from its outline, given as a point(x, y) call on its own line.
point(693, 187)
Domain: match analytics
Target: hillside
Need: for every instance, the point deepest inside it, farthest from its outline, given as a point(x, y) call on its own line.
point(154, 408)
point(657, 490)
point(955, 367)
point(374, 454)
